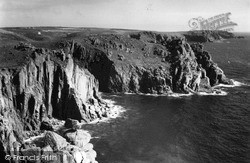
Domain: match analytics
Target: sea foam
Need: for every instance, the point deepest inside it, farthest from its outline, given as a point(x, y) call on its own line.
point(235, 84)
point(216, 91)
point(114, 112)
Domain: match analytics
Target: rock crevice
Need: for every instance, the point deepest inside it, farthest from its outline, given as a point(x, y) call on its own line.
point(45, 88)
point(178, 66)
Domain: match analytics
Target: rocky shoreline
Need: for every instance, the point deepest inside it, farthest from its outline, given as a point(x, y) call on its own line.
point(158, 64)
point(46, 100)
point(51, 85)
point(67, 143)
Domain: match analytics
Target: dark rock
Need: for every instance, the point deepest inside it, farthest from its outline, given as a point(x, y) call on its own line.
point(120, 57)
point(45, 125)
point(212, 71)
point(22, 46)
point(79, 51)
point(95, 41)
point(240, 37)
point(208, 35)
point(187, 68)
point(61, 55)
point(72, 123)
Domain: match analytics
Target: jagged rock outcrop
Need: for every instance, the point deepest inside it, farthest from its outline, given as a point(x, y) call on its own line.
point(43, 88)
point(213, 72)
point(52, 147)
point(185, 71)
point(176, 67)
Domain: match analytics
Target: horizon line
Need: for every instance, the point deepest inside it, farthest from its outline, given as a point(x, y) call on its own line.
point(112, 28)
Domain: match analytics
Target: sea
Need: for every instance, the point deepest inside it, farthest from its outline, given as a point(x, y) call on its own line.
point(198, 128)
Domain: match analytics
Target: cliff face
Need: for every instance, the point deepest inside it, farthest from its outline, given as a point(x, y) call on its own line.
point(43, 88)
point(64, 83)
point(148, 62)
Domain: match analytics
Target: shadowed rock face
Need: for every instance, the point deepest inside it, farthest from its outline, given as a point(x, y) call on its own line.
point(178, 67)
point(213, 72)
point(45, 87)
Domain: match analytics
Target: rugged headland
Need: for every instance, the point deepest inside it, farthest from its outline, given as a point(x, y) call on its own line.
point(51, 75)
point(208, 36)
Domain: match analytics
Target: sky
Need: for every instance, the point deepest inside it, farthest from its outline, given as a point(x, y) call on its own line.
point(156, 15)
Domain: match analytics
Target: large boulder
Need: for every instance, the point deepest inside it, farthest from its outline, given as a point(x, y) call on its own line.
point(55, 141)
point(78, 154)
point(45, 125)
point(79, 138)
point(72, 123)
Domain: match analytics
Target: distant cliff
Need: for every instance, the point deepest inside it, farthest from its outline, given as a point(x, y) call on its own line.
point(147, 62)
point(207, 36)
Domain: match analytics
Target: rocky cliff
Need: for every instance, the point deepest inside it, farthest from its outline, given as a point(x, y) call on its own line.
point(148, 62)
point(41, 86)
point(49, 85)
point(208, 35)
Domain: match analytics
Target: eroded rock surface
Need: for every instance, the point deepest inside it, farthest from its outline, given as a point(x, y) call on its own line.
point(58, 150)
point(62, 82)
point(155, 63)
point(43, 88)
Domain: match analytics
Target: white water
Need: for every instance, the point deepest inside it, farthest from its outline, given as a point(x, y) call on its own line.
point(116, 111)
point(216, 91)
point(236, 84)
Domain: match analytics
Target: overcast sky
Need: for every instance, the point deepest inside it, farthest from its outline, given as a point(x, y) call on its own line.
point(159, 15)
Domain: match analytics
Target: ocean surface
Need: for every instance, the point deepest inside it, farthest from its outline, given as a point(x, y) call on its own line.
point(183, 129)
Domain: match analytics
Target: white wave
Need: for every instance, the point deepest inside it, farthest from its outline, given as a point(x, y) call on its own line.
point(115, 111)
point(109, 102)
point(235, 84)
point(165, 94)
point(180, 94)
point(149, 94)
point(238, 84)
point(143, 94)
point(115, 95)
point(216, 92)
